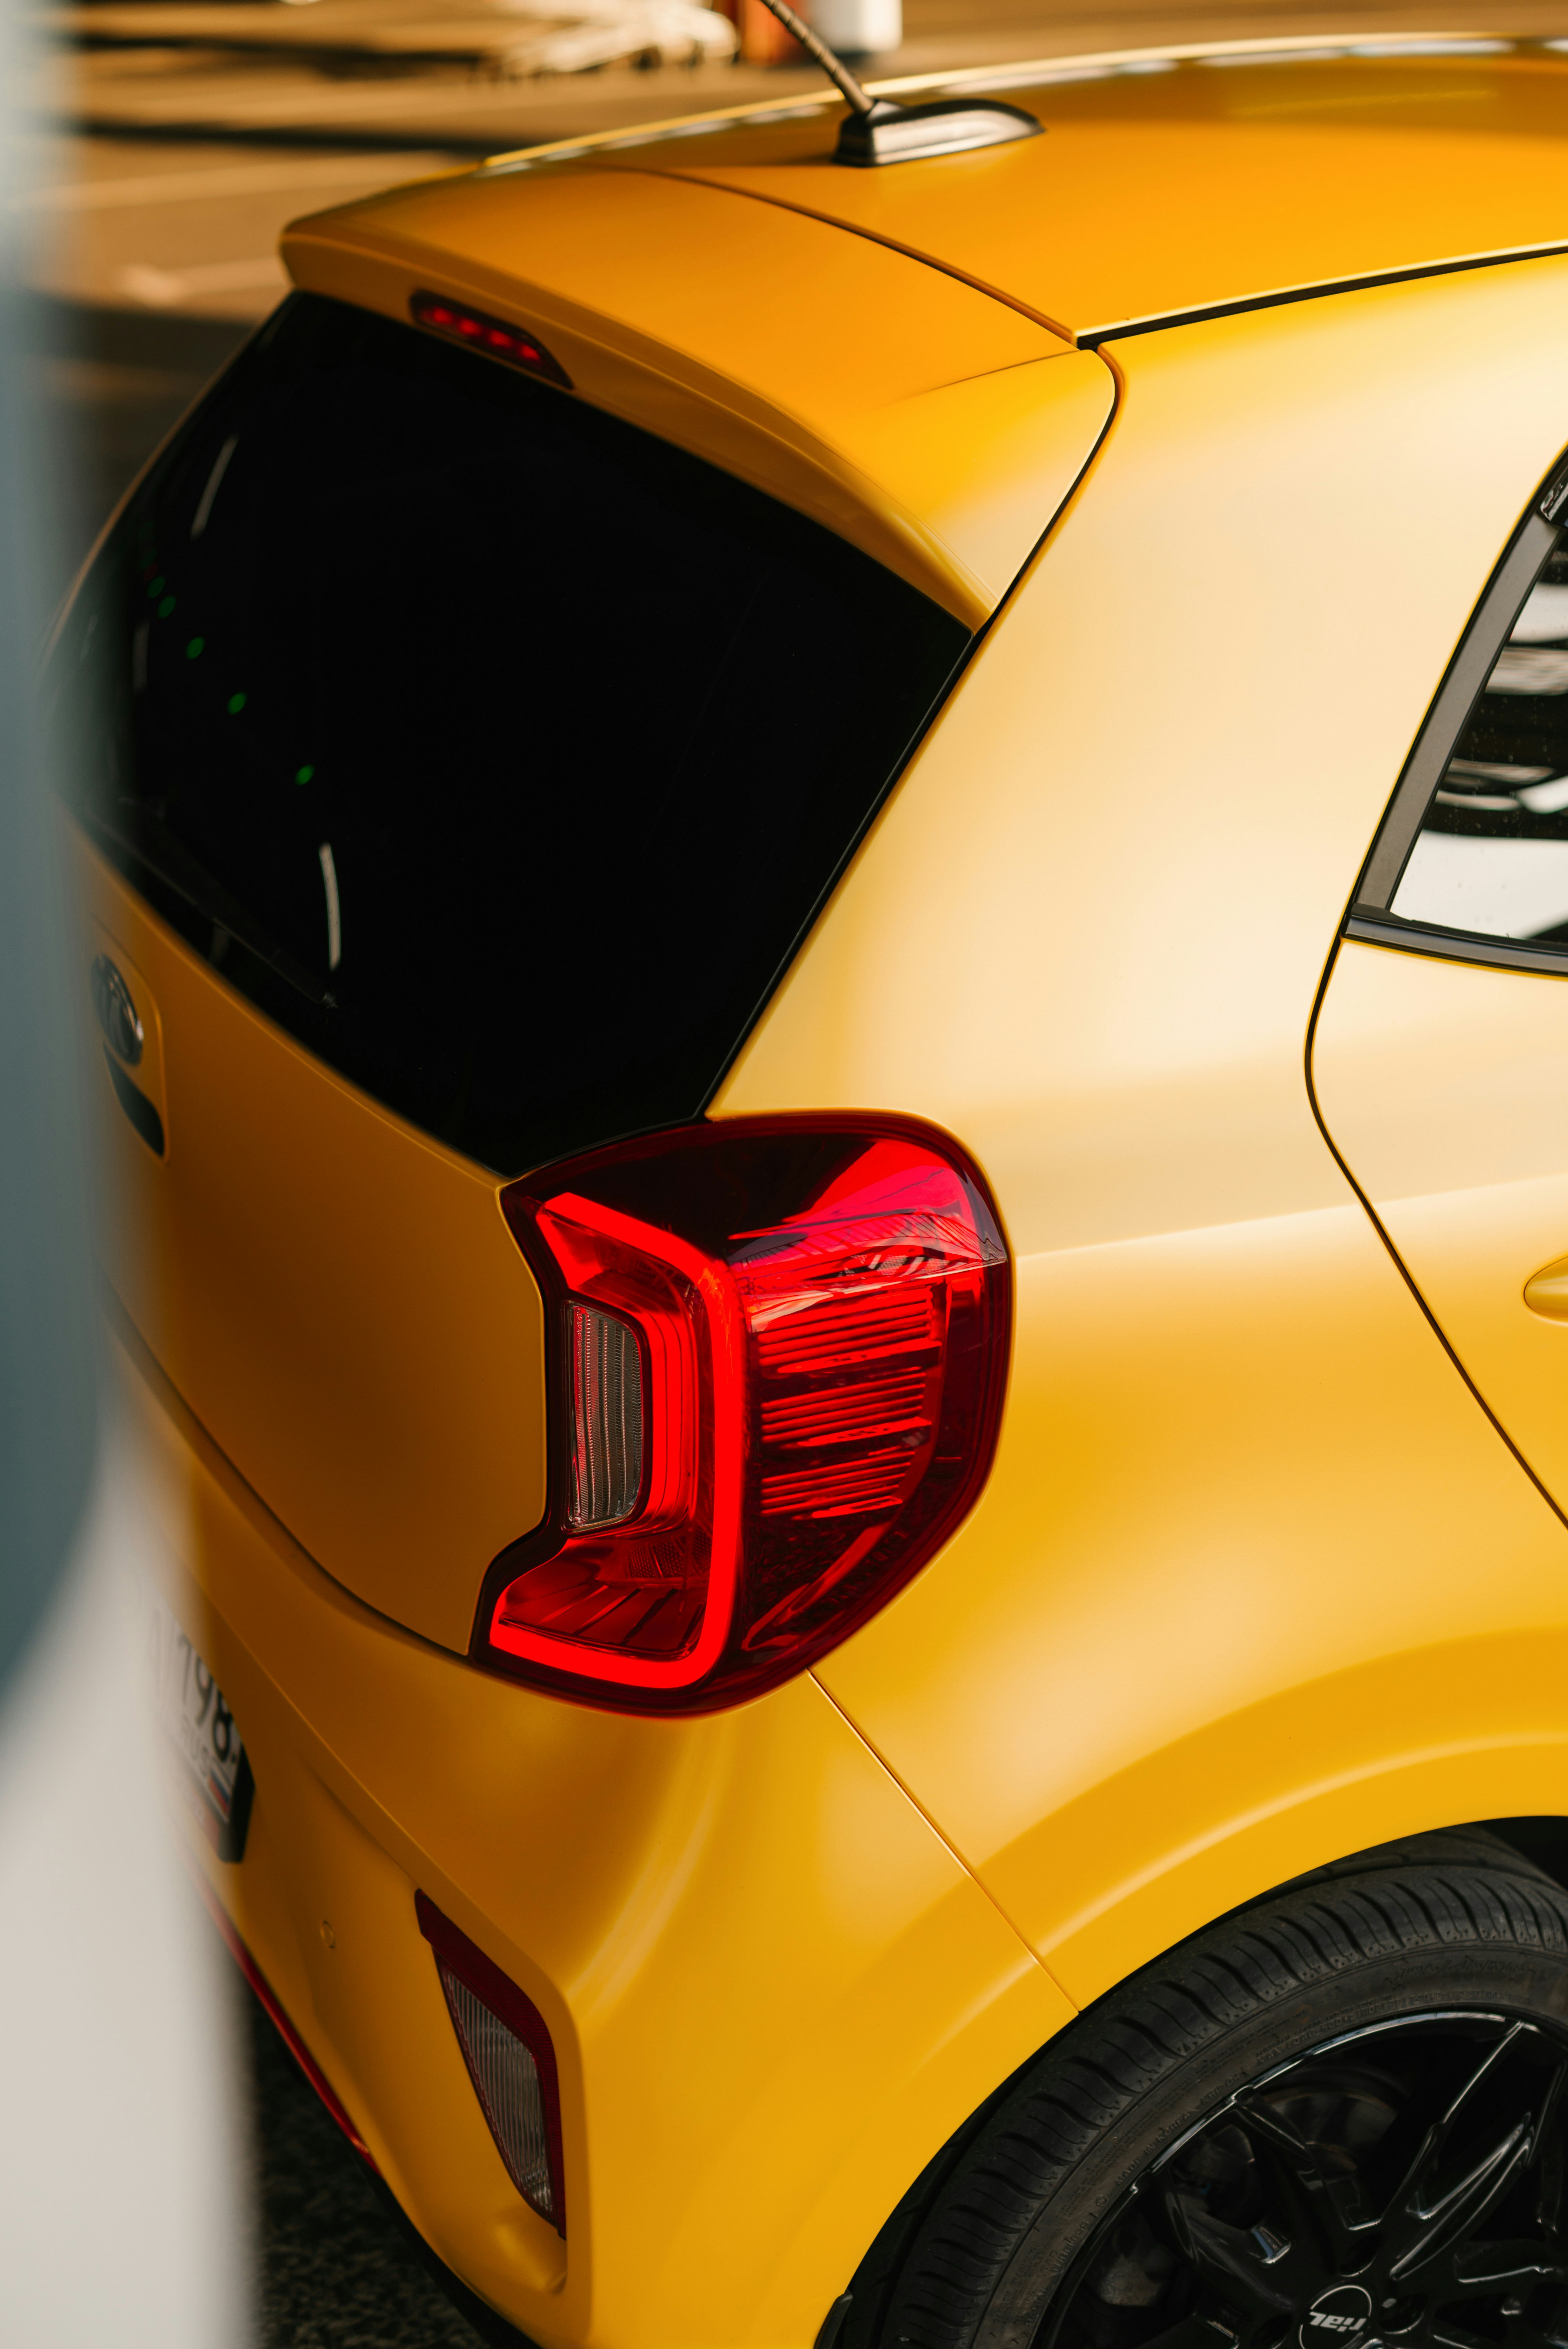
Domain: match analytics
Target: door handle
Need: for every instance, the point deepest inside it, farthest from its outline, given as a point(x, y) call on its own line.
point(1546, 1291)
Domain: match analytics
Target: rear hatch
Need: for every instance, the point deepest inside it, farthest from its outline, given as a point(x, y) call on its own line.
point(456, 767)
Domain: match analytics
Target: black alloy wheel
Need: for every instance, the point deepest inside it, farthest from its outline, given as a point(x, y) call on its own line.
point(1340, 2115)
point(1402, 2185)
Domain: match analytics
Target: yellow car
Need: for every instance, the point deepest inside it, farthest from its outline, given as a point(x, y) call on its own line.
point(826, 902)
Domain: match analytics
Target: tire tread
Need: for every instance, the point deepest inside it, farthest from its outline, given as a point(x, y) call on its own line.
point(1464, 1890)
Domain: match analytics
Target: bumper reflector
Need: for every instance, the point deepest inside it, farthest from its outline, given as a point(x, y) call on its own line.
point(510, 2062)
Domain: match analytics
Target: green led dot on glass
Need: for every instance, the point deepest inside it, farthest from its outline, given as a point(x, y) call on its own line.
point(155, 587)
point(165, 608)
point(236, 703)
point(304, 774)
point(196, 647)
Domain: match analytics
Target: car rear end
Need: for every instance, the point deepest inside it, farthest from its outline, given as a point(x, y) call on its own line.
point(463, 723)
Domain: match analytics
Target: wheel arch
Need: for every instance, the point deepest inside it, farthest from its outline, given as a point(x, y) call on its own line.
point(1459, 1736)
point(1392, 1745)
point(1539, 1840)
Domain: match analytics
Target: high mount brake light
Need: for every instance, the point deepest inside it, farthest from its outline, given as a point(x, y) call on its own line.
point(778, 1353)
point(498, 338)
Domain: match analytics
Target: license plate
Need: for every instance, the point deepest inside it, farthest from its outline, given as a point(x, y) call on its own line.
point(212, 1769)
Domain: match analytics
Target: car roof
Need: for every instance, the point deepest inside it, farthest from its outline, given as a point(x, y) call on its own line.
point(1178, 182)
point(920, 383)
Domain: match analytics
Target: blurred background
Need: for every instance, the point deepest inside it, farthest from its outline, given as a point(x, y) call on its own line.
point(163, 146)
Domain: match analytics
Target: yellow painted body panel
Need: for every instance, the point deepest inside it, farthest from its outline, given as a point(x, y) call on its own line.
point(1170, 183)
point(1219, 1616)
point(906, 411)
point(732, 1926)
point(1209, 1623)
point(1100, 974)
point(1445, 1086)
point(387, 1397)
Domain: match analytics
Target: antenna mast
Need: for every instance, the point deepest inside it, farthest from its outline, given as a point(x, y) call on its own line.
point(879, 131)
point(835, 68)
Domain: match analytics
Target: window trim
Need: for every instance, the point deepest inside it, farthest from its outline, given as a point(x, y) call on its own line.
point(1454, 945)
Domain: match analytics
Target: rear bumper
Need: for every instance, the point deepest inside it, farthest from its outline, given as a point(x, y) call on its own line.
point(283, 2023)
point(772, 1990)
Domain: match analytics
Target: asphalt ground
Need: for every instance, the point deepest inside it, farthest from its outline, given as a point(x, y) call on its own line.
point(336, 2265)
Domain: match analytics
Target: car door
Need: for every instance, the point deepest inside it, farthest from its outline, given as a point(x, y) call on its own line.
point(1440, 1056)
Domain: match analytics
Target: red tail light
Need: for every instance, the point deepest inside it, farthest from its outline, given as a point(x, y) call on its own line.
point(778, 1354)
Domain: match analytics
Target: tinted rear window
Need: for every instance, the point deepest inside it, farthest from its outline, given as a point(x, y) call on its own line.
point(499, 751)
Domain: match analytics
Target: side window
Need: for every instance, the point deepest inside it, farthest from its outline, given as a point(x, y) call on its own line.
point(1475, 843)
point(1491, 855)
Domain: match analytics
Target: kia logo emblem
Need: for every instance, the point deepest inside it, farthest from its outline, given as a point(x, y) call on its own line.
point(117, 1012)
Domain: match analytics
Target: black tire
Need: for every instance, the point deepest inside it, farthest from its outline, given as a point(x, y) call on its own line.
point(1070, 2174)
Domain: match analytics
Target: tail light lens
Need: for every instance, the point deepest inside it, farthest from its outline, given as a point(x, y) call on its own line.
point(606, 1418)
point(511, 2061)
point(780, 1354)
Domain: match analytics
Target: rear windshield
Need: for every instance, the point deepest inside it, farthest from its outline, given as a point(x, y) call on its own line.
point(497, 750)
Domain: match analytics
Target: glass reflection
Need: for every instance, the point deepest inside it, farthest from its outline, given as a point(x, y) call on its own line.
point(1492, 855)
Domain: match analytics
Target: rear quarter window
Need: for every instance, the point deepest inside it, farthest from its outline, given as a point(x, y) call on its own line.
point(497, 750)
point(1491, 855)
